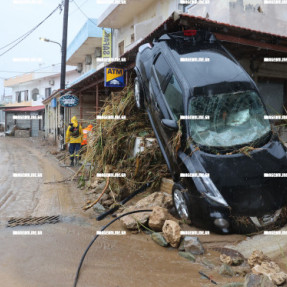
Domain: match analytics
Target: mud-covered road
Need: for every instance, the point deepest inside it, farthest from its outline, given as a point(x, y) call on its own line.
point(50, 259)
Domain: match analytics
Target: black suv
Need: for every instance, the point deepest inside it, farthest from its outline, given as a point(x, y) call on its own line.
point(210, 123)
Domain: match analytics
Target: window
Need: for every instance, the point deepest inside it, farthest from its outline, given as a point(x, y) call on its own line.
point(47, 93)
point(18, 97)
point(132, 38)
point(121, 48)
point(35, 93)
point(26, 96)
point(173, 97)
point(234, 119)
point(162, 70)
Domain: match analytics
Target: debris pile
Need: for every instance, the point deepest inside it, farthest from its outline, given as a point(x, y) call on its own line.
point(111, 143)
point(263, 265)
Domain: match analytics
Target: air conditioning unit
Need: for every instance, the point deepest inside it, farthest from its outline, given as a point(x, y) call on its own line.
point(88, 60)
point(98, 52)
point(52, 82)
point(79, 67)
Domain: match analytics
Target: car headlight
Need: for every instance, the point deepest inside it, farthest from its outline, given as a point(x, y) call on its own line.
point(212, 192)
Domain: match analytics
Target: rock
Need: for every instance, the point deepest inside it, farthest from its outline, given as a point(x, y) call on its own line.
point(279, 278)
point(99, 208)
point(193, 245)
point(171, 232)
point(157, 218)
point(187, 255)
point(257, 257)
point(94, 184)
point(272, 271)
point(225, 259)
point(108, 202)
point(104, 198)
point(226, 270)
point(161, 199)
point(181, 246)
point(234, 284)
point(237, 260)
point(130, 221)
point(99, 187)
point(231, 260)
point(207, 263)
point(253, 280)
point(159, 239)
point(241, 270)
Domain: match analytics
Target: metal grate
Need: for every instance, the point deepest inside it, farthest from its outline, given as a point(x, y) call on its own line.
point(13, 221)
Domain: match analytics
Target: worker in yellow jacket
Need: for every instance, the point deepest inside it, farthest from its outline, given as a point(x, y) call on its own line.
point(74, 135)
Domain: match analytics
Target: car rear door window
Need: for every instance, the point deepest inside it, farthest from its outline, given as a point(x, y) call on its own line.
point(173, 97)
point(162, 70)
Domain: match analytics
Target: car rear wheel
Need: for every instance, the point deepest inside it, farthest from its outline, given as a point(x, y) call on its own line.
point(138, 94)
point(179, 202)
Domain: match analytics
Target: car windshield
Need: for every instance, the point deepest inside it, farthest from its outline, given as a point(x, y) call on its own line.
point(234, 119)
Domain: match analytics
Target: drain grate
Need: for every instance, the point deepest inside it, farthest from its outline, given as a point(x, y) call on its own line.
point(13, 221)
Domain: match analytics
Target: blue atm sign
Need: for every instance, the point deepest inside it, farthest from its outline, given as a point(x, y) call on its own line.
point(114, 77)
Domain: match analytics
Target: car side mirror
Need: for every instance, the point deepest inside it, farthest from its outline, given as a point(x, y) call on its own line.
point(172, 124)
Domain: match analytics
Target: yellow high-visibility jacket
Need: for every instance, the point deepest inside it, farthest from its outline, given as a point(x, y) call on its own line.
point(69, 136)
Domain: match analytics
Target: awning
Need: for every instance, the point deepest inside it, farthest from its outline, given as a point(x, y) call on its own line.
point(26, 109)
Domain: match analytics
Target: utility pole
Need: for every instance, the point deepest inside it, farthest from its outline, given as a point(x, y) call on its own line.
point(63, 70)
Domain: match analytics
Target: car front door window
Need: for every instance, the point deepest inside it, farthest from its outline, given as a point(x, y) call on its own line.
point(173, 97)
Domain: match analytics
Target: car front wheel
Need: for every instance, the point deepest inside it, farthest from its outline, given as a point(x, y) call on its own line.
point(179, 201)
point(138, 94)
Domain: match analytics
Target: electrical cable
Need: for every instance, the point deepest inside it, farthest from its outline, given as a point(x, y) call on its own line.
point(81, 5)
point(24, 36)
point(84, 13)
point(132, 195)
point(91, 243)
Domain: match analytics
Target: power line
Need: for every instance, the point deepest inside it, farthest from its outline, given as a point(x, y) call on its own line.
point(74, 1)
point(25, 33)
point(26, 72)
point(34, 71)
point(81, 5)
point(23, 37)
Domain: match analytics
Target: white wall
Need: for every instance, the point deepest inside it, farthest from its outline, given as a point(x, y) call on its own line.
point(272, 18)
point(143, 23)
point(41, 84)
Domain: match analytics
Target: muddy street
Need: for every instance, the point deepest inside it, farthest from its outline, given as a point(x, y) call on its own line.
point(50, 258)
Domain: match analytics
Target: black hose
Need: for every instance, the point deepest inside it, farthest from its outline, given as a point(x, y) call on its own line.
point(91, 243)
point(112, 210)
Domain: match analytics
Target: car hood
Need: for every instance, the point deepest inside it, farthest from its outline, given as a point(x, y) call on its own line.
point(240, 178)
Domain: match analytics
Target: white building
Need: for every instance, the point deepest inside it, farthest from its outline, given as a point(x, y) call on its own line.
point(28, 92)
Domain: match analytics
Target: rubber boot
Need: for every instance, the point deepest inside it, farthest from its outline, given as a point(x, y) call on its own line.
point(72, 161)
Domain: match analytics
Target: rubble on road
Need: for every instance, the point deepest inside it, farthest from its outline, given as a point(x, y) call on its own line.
point(263, 265)
point(257, 257)
point(157, 218)
point(154, 200)
point(193, 245)
point(226, 270)
point(171, 232)
point(253, 280)
point(187, 255)
point(158, 238)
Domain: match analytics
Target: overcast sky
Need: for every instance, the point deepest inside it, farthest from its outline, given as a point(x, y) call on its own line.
point(20, 16)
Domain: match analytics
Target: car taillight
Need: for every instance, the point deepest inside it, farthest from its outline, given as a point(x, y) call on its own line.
point(189, 33)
